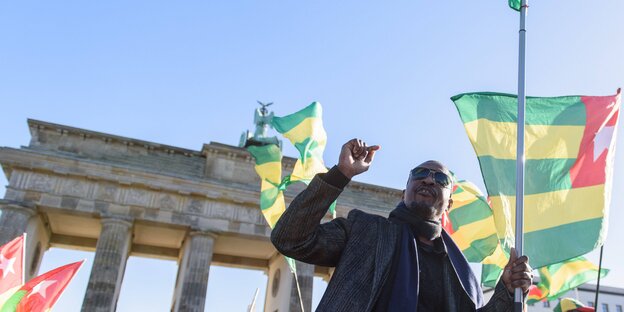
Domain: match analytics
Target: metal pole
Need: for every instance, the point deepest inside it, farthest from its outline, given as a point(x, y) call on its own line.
point(252, 306)
point(299, 292)
point(598, 283)
point(519, 242)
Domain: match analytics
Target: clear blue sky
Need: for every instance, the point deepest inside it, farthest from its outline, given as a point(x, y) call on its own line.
point(187, 73)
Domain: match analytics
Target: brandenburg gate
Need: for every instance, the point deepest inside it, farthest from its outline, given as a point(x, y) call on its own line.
point(116, 196)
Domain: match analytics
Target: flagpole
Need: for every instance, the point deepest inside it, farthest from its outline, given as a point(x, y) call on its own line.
point(598, 282)
point(520, 157)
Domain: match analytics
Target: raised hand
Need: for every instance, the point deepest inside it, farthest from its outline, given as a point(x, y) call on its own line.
point(356, 157)
point(518, 273)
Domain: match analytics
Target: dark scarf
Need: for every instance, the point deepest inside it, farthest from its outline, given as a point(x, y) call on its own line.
point(428, 229)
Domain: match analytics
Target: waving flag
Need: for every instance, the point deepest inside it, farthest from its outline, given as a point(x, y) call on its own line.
point(11, 267)
point(570, 144)
point(559, 278)
point(41, 292)
point(494, 265)
point(515, 4)
point(536, 293)
point(269, 168)
point(569, 304)
point(304, 129)
point(470, 222)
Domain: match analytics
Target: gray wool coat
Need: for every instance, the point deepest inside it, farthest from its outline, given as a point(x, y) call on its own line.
point(360, 248)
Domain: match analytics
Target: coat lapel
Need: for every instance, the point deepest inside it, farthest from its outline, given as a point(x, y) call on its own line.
point(387, 236)
point(466, 277)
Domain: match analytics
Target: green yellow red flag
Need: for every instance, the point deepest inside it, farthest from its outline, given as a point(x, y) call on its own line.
point(470, 222)
point(557, 279)
point(304, 129)
point(569, 305)
point(570, 142)
point(269, 168)
point(569, 155)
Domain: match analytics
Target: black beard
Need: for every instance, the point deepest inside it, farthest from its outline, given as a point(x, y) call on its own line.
point(423, 210)
point(427, 228)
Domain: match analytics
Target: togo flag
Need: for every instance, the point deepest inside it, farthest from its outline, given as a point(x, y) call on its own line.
point(470, 222)
point(569, 304)
point(570, 145)
point(269, 168)
point(304, 129)
point(557, 279)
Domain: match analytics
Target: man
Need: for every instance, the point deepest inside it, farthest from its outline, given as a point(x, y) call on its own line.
point(405, 262)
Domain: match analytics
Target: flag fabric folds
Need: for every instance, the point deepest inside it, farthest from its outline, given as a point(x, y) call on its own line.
point(559, 278)
point(304, 129)
point(536, 293)
point(41, 293)
point(494, 264)
point(570, 142)
point(470, 222)
point(569, 304)
point(11, 267)
point(515, 4)
point(269, 168)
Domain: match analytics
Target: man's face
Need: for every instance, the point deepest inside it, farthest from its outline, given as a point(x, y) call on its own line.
point(425, 196)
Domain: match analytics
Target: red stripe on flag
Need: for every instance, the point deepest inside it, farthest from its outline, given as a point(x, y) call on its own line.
point(446, 223)
point(601, 118)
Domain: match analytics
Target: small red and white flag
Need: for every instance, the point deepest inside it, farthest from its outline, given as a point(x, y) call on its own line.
point(12, 266)
point(42, 292)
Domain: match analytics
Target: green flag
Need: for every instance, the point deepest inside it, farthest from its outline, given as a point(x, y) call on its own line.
point(515, 4)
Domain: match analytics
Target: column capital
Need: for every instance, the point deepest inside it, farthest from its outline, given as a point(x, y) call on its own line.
point(116, 220)
point(210, 234)
point(19, 206)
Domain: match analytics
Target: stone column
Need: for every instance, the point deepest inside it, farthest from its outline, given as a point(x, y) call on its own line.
point(192, 279)
point(37, 243)
point(14, 219)
point(282, 294)
point(109, 264)
point(17, 218)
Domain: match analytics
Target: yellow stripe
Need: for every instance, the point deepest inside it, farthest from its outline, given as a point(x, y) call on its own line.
point(567, 271)
point(473, 231)
point(498, 258)
point(265, 186)
point(307, 170)
point(273, 213)
point(567, 305)
point(470, 187)
point(271, 171)
point(498, 139)
point(309, 127)
point(547, 210)
point(462, 199)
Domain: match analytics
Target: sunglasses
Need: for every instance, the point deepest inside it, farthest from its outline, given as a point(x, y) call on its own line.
point(440, 178)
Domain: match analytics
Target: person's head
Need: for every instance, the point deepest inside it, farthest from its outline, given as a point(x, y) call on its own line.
point(428, 190)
